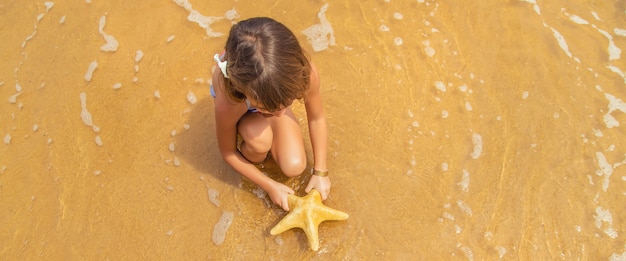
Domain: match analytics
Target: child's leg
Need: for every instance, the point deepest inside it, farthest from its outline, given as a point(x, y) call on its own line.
point(287, 144)
point(257, 136)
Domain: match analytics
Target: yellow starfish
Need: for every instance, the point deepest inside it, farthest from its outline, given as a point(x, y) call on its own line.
point(307, 213)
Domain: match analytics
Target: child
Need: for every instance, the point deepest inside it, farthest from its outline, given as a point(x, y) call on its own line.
point(261, 72)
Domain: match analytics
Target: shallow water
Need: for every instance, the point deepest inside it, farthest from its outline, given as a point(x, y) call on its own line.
point(458, 129)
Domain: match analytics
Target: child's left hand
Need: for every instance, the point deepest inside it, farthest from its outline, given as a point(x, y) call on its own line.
point(321, 184)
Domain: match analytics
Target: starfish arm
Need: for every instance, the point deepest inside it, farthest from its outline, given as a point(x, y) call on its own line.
point(311, 231)
point(288, 222)
point(326, 213)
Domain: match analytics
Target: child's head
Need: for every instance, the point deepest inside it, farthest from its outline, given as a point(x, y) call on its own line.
point(266, 64)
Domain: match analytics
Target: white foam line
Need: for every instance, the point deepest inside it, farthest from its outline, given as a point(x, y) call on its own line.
point(615, 104)
point(464, 207)
point(429, 50)
point(501, 251)
point(441, 86)
point(606, 170)
point(202, 20)
point(221, 227)
point(191, 97)
point(49, 5)
point(561, 40)
point(618, 257)
point(535, 6)
point(138, 56)
point(467, 252)
point(614, 51)
point(617, 70)
point(13, 98)
point(617, 164)
point(576, 19)
point(92, 67)
point(478, 145)
point(595, 15)
point(84, 114)
point(28, 38)
point(214, 196)
point(232, 14)
point(321, 35)
point(603, 216)
point(111, 43)
point(620, 32)
point(465, 180)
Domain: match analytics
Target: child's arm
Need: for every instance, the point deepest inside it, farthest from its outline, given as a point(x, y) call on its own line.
point(227, 114)
point(318, 131)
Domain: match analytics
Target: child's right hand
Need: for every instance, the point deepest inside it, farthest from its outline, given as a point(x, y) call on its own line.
point(278, 193)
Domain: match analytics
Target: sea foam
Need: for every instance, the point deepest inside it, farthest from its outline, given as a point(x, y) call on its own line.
point(464, 207)
point(200, 19)
point(213, 197)
point(561, 40)
point(138, 56)
point(191, 98)
point(321, 35)
point(606, 170)
point(92, 67)
point(440, 86)
point(614, 104)
point(535, 6)
point(85, 115)
point(604, 216)
point(465, 180)
point(111, 43)
point(478, 145)
point(221, 227)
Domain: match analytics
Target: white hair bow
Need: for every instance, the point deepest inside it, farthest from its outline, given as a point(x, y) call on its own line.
point(222, 64)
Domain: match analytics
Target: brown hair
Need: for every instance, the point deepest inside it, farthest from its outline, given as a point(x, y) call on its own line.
point(266, 63)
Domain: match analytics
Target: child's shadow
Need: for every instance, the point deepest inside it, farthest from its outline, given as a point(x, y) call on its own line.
point(196, 143)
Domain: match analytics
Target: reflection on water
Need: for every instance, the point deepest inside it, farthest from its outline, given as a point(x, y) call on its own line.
point(471, 130)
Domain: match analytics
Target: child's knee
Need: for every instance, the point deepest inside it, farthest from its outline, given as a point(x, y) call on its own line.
point(294, 166)
point(258, 139)
point(259, 144)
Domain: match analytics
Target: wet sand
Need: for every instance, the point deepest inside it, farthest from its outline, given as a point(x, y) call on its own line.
point(458, 130)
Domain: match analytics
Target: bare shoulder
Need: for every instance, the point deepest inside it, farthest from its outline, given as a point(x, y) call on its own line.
point(314, 79)
point(313, 99)
point(223, 103)
point(217, 79)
